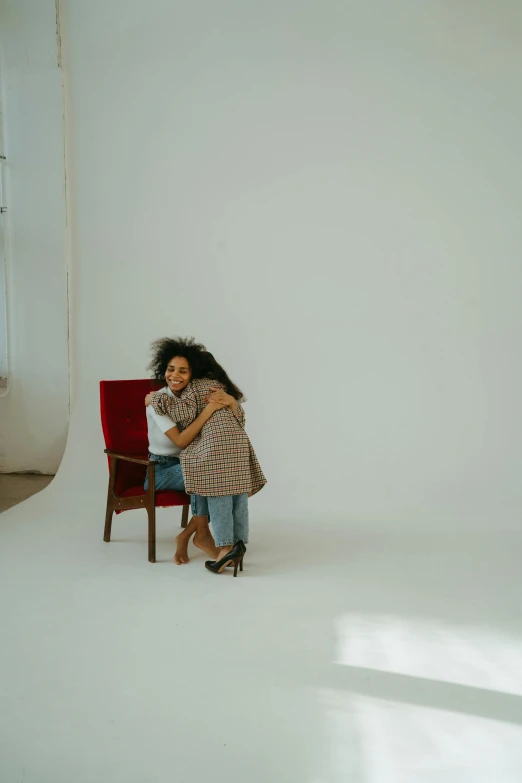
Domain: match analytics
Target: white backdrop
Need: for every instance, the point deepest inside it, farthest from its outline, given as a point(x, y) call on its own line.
point(328, 195)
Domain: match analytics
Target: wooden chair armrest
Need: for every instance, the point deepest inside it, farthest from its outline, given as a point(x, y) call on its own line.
point(130, 458)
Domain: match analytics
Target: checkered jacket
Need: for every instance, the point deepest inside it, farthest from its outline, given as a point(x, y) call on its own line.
point(220, 460)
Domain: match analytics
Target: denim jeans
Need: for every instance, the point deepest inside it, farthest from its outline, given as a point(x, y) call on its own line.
point(228, 517)
point(168, 474)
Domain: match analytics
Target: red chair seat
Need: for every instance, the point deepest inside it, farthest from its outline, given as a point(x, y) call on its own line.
point(168, 497)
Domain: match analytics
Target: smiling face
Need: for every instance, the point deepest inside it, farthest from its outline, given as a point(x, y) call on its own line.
point(178, 374)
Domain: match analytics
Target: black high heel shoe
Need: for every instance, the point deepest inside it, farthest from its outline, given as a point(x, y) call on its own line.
point(234, 557)
point(241, 544)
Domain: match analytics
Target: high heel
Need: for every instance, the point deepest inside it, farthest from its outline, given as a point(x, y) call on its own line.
point(241, 544)
point(234, 557)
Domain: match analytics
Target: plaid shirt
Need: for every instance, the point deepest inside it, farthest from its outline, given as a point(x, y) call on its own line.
point(220, 460)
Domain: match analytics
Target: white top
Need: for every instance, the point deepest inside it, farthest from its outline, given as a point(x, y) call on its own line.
point(158, 425)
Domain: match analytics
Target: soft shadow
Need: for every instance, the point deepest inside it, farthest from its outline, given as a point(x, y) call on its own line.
point(433, 694)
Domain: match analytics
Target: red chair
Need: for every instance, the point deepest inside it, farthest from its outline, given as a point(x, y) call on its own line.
point(124, 423)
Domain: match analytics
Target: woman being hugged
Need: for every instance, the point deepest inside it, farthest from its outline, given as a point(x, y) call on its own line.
point(220, 468)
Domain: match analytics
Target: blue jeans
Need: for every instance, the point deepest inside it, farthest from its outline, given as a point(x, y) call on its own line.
point(168, 474)
point(228, 517)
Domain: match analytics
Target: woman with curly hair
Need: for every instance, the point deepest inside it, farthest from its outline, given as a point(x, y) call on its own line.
point(165, 445)
point(220, 468)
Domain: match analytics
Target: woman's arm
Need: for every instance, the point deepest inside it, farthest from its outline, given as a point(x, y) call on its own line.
point(184, 438)
point(183, 412)
point(227, 400)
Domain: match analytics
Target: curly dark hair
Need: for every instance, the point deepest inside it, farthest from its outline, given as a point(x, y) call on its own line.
point(201, 361)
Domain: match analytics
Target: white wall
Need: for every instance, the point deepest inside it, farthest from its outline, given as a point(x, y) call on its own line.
point(34, 413)
point(327, 194)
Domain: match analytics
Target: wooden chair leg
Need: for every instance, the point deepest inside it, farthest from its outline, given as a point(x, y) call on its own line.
point(152, 533)
point(184, 516)
point(110, 505)
point(151, 511)
point(108, 522)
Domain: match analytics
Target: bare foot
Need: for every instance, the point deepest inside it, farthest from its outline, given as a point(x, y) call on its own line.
point(206, 543)
point(182, 541)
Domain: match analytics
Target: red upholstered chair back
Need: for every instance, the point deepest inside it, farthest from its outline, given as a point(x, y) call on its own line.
point(124, 424)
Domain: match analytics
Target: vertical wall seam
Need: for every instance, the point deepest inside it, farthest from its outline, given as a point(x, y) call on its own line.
point(66, 199)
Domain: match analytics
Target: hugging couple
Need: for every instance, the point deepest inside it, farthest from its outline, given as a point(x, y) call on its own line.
point(196, 430)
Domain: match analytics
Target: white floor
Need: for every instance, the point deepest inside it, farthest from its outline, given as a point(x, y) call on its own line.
point(340, 655)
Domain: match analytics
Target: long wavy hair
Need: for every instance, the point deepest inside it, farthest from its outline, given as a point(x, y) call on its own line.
point(201, 361)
